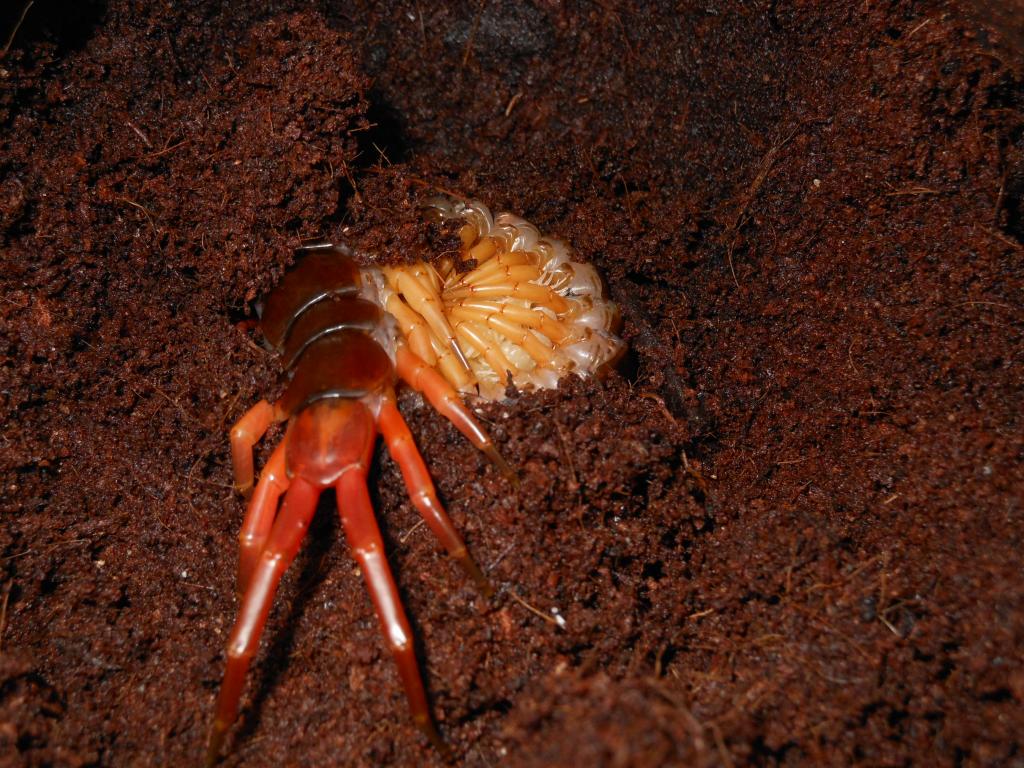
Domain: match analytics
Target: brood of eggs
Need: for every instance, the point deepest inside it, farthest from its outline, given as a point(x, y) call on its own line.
point(525, 309)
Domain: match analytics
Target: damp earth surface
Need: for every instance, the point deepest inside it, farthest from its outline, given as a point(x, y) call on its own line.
point(787, 530)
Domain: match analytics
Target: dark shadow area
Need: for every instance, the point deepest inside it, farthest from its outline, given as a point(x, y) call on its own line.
point(66, 24)
point(385, 143)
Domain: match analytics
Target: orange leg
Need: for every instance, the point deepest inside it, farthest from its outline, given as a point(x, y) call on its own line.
point(260, 516)
point(285, 538)
point(364, 537)
point(244, 435)
point(446, 401)
point(421, 489)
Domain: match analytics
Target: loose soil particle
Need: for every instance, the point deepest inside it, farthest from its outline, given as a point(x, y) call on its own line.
point(787, 531)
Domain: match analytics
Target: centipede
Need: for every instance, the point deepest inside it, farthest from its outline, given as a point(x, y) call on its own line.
point(509, 308)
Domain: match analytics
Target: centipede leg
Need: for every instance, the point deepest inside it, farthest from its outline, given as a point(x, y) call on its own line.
point(421, 490)
point(260, 516)
point(446, 401)
point(246, 432)
point(364, 537)
point(285, 538)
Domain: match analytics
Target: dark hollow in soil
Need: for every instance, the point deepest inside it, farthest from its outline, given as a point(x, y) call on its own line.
point(787, 531)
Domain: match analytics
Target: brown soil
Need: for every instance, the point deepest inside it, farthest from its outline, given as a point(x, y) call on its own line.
point(788, 531)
